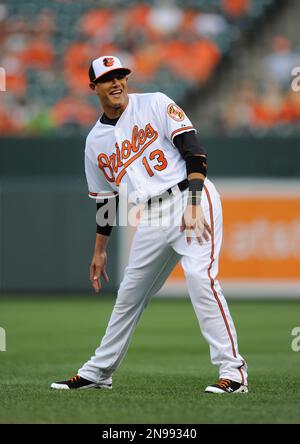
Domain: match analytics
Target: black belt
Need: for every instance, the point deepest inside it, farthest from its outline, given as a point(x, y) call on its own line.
point(181, 185)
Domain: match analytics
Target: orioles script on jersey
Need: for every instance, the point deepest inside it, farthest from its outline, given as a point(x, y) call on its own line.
point(140, 140)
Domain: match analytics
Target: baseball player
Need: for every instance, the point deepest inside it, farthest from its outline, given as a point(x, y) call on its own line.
point(145, 144)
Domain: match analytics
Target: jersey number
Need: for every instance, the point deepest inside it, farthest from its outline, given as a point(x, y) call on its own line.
point(161, 162)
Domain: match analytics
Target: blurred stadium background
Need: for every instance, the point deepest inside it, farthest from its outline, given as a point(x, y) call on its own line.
point(228, 63)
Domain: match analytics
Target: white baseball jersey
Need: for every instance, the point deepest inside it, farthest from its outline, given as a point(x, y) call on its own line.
point(137, 151)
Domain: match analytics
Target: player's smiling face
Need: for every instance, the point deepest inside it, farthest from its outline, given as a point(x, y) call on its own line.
point(112, 92)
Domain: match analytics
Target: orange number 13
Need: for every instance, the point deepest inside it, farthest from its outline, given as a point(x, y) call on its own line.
point(161, 162)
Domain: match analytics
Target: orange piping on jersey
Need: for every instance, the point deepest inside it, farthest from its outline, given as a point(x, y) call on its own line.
point(179, 130)
point(133, 158)
point(212, 282)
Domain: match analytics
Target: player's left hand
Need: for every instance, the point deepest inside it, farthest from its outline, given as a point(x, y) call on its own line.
point(193, 219)
point(97, 270)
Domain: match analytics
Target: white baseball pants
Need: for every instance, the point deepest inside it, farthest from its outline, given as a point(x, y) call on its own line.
point(156, 249)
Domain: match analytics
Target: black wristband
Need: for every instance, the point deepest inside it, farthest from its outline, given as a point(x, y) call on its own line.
point(196, 164)
point(105, 231)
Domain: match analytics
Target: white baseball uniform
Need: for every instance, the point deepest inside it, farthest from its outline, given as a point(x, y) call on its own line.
point(138, 151)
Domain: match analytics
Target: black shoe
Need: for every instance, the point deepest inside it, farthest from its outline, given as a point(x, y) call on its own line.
point(226, 386)
point(78, 383)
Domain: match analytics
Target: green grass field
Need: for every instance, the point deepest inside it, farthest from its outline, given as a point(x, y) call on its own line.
point(161, 380)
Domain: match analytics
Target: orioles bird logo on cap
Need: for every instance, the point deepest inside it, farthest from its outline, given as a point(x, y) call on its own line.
point(108, 61)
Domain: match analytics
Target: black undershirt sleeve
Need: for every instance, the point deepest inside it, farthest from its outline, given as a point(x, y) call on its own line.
point(195, 156)
point(188, 145)
point(106, 229)
point(106, 220)
point(193, 152)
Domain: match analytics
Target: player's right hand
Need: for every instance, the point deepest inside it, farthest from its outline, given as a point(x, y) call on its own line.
point(193, 220)
point(97, 269)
